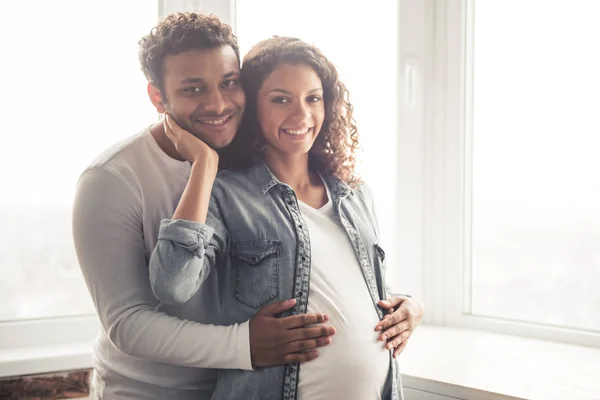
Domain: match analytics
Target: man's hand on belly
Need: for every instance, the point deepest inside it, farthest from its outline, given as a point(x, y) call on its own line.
point(290, 340)
point(404, 315)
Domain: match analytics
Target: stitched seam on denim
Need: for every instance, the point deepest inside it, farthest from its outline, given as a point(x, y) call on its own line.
point(273, 284)
point(301, 284)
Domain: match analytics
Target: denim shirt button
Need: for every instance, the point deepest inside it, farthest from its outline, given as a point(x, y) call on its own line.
point(290, 202)
point(303, 258)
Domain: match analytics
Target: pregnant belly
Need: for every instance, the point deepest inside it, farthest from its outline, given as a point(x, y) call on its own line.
point(353, 366)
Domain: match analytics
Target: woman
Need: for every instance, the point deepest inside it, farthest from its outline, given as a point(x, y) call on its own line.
point(291, 220)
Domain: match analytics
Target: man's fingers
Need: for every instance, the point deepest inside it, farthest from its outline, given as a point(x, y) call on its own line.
point(309, 333)
point(305, 345)
point(395, 330)
point(297, 321)
point(277, 307)
point(299, 358)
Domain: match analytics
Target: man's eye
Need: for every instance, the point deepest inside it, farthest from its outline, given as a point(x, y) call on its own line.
point(230, 83)
point(280, 100)
point(193, 89)
point(314, 99)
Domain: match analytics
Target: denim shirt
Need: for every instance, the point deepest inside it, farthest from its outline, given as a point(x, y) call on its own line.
point(256, 245)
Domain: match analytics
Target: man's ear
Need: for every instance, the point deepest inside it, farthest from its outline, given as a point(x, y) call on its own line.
point(156, 98)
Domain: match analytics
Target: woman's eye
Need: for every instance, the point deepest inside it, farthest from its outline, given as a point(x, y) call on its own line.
point(280, 100)
point(314, 99)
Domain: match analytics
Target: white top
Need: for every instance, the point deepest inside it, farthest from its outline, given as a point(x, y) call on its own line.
point(142, 352)
point(355, 365)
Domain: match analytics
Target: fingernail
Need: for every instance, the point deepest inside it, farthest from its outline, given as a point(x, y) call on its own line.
point(378, 328)
point(290, 302)
point(383, 338)
point(325, 317)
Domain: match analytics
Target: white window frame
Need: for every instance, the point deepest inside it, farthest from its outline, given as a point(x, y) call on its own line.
point(448, 155)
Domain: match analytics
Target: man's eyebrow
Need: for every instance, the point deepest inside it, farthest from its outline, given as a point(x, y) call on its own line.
point(231, 74)
point(289, 93)
point(189, 80)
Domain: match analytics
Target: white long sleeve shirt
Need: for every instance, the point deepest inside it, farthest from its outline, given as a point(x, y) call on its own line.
point(146, 350)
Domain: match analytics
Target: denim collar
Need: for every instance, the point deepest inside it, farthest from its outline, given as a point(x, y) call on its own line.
point(265, 180)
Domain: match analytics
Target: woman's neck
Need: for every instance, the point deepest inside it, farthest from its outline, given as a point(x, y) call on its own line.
point(292, 170)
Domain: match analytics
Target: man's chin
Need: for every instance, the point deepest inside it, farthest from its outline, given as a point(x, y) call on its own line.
point(216, 142)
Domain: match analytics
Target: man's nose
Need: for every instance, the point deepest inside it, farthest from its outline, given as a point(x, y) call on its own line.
point(215, 102)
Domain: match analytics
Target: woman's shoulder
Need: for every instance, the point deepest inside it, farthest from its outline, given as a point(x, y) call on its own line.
point(232, 181)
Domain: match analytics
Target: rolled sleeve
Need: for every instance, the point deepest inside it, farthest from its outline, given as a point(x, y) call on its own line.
point(178, 265)
point(191, 235)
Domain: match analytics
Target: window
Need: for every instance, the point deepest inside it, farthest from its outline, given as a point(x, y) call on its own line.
point(72, 86)
point(514, 216)
point(536, 192)
point(367, 66)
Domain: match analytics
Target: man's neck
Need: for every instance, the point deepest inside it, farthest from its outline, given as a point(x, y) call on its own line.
point(166, 145)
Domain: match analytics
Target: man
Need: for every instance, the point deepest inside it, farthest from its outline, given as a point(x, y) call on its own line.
point(148, 350)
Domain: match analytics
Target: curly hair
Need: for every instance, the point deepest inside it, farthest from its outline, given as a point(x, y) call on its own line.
point(178, 33)
point(334, 150)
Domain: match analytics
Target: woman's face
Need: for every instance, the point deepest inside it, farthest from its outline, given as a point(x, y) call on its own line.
point(290, 110)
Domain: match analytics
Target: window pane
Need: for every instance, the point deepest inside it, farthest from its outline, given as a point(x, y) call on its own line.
point(536, 192)
point(366, 63)
point(72, 86)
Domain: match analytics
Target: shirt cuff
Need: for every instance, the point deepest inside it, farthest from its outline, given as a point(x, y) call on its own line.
point(193, 235)
point(243, 345)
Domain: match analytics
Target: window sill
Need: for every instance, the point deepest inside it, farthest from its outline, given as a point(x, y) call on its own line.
point(458, 363)
point(37, 360)
point(473, 365)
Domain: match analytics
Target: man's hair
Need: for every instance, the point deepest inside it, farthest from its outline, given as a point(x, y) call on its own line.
point(178, 33)
point(335, 148)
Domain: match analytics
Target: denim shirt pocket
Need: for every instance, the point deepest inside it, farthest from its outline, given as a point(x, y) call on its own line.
point(256, 265)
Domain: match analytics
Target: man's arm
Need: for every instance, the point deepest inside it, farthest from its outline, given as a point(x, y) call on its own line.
point(107, 231)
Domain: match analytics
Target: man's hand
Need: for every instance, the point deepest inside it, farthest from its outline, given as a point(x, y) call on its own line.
point(188, 145)
point(404, 315)
point(290, 340)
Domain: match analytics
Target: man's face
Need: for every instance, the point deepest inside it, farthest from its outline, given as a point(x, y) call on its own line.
point(203, 92)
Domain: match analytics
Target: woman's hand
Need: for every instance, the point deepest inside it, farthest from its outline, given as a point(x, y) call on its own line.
point(404, 315)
